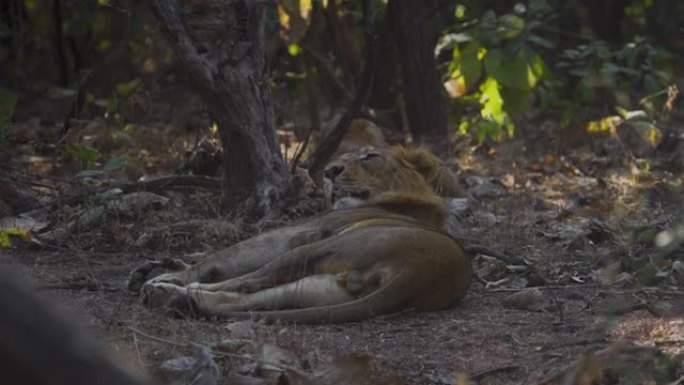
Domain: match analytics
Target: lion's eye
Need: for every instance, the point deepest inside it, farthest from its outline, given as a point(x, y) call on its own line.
point(369, 156)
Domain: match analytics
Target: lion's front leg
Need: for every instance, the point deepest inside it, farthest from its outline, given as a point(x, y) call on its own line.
point(235, 261)
point(289, 267)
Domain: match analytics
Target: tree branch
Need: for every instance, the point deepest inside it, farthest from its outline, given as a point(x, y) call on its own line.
point(168, 12)
point(327, 148)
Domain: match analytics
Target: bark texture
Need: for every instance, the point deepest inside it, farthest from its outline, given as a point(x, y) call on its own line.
point(221, 43)
point(415, 27)
point(330, 143)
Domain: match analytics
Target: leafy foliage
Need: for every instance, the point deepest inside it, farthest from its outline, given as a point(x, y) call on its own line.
point(88, 154)
point(505, 65)
point(7, 233)
point(598, 74)
point(497, 60)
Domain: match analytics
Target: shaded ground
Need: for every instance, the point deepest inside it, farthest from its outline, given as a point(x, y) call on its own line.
point(580, 234)
point(476, 336)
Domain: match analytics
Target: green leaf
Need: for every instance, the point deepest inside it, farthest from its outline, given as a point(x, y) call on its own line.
point(494, 118)
point(492, 103)
point(606, 124)
point(88, 154)
point(294, 49)
point(585, 92)
point(622, 111)
point(464, 126)
point(489, 128)
point(571, 54)
point(8, 101)
point(126, 89)
point(111, 193)
point(516, 100)
point(89, 174)
point(451, 40)
point(469, 65)
point(507, 69)
point(648, 132)
point(90, 216)
point(114, 164)
point(610, 69)
point(510, 128)
point(650, 84)
point(129, 128)
point(486, 128)
point(111, 104)
point(6, 241)
point(540, 41)
point(305, 7)
point(538, 7)
point(510, 26)
point(459, 11)
point(103, 45)
point(536, 69)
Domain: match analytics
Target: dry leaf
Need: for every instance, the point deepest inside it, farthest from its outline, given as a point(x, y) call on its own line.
point(530, 299)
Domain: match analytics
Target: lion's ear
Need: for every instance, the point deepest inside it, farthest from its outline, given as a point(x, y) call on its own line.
point(421, 159)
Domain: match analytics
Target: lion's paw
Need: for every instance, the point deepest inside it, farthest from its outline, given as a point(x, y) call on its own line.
point(158, 294)
point(169, 297)
point(151, 269)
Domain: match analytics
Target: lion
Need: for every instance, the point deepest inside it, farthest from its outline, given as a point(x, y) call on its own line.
point(364, 135)
point(434, 174)
point(384, 255)
point(361, 133)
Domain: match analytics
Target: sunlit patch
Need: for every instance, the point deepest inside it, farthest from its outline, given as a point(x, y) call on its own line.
point(645, 330)
point(664, 238)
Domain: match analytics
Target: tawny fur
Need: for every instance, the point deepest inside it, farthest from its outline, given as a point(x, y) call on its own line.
point(384, 256)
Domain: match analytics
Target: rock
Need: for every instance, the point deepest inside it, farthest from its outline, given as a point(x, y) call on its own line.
point(457, 209)
point(480, 188)
point(241, 330)
point(200, 370)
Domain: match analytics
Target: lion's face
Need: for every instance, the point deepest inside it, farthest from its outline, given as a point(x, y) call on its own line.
point(368, 172)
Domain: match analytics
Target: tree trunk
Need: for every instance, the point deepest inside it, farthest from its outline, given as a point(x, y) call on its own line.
point(416, 32)
point(326, 149)
point(384, 93)
point(221, 43)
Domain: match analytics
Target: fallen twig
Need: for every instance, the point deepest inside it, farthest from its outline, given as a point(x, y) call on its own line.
point(549, 287)
point(159, 339)
point(634, 307)
point(90, 287)
point(212, 351)
point(488, 372)
point(509, 259)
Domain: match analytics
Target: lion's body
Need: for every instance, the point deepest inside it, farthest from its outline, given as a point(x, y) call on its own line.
point(385, 256)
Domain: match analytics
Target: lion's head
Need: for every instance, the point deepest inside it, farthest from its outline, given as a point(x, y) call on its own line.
point(369, 171)
point(396, 178)
point(361, 133)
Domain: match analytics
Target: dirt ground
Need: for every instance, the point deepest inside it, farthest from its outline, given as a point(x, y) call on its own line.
point(578, 221)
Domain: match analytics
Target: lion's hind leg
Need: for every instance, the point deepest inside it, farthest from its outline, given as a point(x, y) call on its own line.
point(311, 291)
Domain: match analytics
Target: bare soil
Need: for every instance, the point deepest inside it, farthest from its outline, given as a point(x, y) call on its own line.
point(570, 227)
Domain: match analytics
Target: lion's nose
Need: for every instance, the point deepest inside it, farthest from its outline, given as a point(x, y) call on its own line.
point(333, 171)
